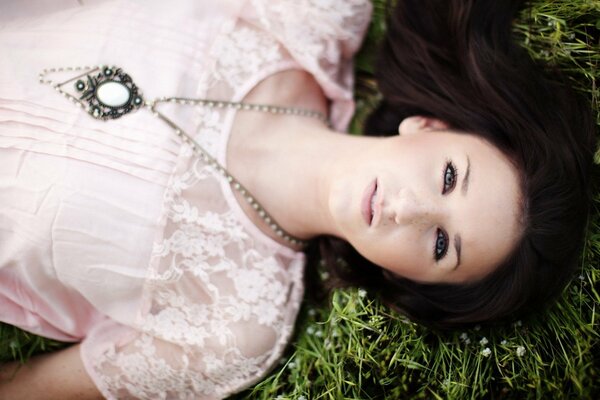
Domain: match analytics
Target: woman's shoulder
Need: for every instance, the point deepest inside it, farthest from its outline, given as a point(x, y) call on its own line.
point(320, 37)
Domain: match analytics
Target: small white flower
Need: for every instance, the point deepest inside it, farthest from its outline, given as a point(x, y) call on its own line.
point(292, 364)
point(467, 341)
point(503, 343)
point(581, 277)
point(312, 312)
point(362, 293)
point(310, 330)
point(477, 327)
point(519, 323)
point(319, 333)
point(464, 336)
point(302, 398)
point(324, 275)
point(486, 352)
point(483, 341)
point(520, 351)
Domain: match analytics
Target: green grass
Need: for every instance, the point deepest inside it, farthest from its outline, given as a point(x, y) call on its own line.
point(355, 348)
point(16, 344)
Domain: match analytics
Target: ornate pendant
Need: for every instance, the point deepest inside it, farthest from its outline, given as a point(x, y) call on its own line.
point(105, 92)
point(110, 93)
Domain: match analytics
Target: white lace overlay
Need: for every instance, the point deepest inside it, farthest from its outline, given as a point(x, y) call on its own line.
point(258, 47)
point(321, 19)
point(220, 301)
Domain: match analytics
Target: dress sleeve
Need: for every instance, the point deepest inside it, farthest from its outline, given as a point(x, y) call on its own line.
point(323, 37)
point(127, 364)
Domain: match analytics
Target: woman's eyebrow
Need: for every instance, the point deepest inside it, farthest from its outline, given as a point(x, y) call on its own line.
point(465, 182)
point(463, 190)
point(457, 247)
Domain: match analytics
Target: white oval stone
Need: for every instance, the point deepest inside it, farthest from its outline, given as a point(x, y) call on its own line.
point(113, 94)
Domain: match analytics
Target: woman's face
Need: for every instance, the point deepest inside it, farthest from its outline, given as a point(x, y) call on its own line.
point(429, 205)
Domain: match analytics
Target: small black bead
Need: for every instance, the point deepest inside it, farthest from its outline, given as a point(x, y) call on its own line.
point(108, 71)
point(80, 85)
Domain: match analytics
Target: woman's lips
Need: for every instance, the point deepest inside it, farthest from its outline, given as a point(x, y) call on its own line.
point(376, 205)
point(368, 201)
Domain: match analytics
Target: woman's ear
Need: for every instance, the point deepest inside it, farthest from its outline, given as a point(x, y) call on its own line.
point(418, 123)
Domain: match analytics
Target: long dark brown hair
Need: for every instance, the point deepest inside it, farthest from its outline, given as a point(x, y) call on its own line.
point(456, 60)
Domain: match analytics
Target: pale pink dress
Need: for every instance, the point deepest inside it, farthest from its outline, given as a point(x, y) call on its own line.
point(113, 233)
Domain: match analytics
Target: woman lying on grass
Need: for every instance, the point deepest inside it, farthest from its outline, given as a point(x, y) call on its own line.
point(173, 252)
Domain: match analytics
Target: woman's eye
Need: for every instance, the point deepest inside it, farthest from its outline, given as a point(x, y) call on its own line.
point(450, 176)
point(441, 245)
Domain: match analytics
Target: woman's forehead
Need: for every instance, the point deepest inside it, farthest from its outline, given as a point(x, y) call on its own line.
point(487, 217)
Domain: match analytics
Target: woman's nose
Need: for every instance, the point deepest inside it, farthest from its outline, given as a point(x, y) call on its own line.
point(409, 208)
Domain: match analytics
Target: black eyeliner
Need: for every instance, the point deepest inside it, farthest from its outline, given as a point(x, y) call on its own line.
point(449, 165)
point(454, 171)
point(439, 231)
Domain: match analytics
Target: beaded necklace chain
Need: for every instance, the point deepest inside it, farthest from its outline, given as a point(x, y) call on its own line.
point(107, 92)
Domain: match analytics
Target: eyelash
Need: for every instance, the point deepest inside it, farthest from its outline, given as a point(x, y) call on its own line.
point(440, 235)
point(449, 171)
point(449, 167)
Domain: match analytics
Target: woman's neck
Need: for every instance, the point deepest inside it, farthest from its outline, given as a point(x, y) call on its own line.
point(288, 168)
point(287, 162)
